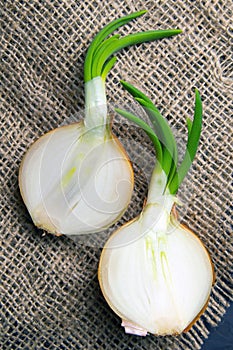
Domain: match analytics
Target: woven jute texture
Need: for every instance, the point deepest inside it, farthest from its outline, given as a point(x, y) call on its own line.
point(50, 297)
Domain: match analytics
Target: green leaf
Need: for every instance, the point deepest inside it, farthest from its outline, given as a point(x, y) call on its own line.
point(131, 39)
point(189, 124)
point(107, 30)
point(165, 135)
point(108, 66)
point(135, 92)
point(161, 128)
point(192, 144)
point(147, 129)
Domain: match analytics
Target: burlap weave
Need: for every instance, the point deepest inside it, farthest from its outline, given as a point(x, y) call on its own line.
point(50, 297)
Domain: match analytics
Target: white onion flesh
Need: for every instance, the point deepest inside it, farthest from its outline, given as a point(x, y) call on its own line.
point(75, 180)
point(157, 281)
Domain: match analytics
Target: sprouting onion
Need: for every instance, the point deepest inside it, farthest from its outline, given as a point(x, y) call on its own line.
point(154, 272)
point(78, 179)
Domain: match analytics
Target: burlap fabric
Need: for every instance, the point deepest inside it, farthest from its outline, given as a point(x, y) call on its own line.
point(50, 297)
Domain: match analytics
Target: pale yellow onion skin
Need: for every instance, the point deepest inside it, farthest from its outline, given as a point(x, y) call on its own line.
point(128, 276)
point(88, 217)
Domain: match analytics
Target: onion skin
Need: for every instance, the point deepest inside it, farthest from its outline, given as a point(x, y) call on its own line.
point(103, 265)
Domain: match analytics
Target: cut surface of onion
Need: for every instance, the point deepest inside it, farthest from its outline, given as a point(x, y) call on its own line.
point(154, 272)
point(78, 192)
point(78, 179)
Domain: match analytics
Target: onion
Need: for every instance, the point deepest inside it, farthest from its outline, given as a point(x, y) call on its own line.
point(78, 179)
point(74, 182)
point(154, 272)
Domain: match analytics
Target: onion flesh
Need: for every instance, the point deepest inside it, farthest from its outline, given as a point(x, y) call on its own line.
point(160, 281)
point(73, 181)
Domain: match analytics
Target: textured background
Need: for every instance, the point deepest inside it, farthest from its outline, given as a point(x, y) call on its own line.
point(50, 298)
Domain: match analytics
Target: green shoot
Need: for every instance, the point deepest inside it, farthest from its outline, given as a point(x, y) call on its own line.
point(160, 125)
point(147, 129)
point(107, 30)
point(194, 132)
point(103, 47)
point(167, 154)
